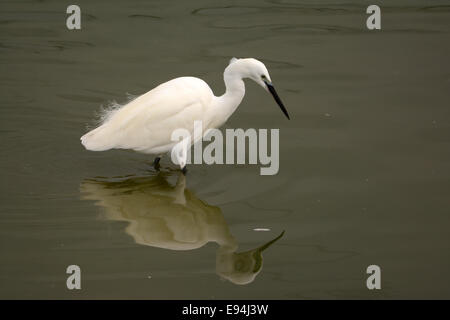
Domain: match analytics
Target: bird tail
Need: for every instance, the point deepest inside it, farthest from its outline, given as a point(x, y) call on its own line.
point(97, 140)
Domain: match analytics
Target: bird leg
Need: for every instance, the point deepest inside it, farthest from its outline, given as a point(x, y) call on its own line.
point(181, 153)
point(156, 164)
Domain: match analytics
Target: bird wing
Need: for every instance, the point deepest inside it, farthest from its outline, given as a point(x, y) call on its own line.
point(147, 123)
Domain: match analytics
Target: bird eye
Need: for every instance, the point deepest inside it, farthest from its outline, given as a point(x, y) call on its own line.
point(263, 76)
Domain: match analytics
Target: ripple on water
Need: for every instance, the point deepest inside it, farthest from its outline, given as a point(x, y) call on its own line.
point(283, 8)
point(43, 46)
point(228, 10)
point(81, 98)
point(143, 16)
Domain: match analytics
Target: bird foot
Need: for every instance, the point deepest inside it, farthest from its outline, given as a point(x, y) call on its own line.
point(156, 164)
point(184, 170)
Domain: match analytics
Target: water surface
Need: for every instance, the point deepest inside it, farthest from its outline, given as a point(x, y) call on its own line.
point(364, 162)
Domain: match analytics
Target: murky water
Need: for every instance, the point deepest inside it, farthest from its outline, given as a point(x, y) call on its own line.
point(364, 162)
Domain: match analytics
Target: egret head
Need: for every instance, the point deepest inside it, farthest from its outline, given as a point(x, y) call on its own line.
point(241, 267)
point(257, 71)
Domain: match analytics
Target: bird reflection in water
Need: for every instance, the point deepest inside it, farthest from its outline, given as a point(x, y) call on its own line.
point(171, 217)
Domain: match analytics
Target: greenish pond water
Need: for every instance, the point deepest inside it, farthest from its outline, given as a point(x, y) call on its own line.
point(364, 160)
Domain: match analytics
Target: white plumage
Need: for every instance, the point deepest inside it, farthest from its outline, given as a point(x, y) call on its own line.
point(146, 123)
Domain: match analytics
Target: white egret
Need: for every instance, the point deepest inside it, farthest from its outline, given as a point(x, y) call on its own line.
point(146, 123)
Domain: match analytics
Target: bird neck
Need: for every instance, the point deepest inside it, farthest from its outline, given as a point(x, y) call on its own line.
point(235, 91)
point(235, 88)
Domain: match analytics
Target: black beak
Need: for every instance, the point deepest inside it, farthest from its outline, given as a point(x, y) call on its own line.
point(277, 98)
